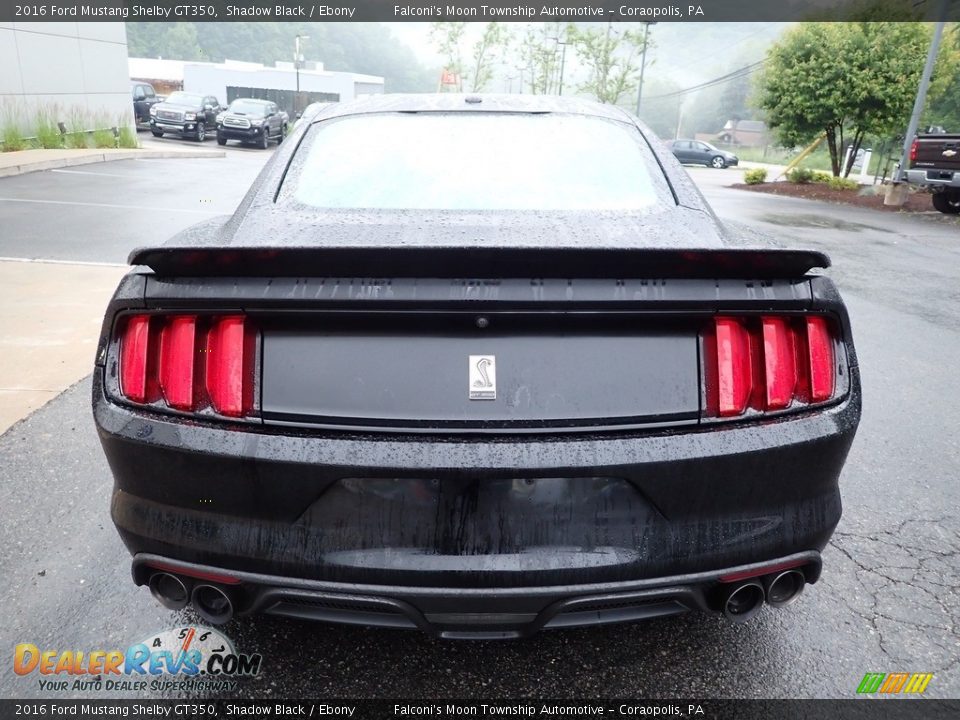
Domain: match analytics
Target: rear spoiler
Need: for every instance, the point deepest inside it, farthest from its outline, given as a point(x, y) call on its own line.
point(472, 262)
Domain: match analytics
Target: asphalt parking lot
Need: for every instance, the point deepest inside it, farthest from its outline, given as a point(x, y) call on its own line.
point(888, 600)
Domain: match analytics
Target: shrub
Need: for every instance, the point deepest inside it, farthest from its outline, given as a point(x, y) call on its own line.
point(800, 175)
point(755, 176)
point(822, 177)
point(839, 183)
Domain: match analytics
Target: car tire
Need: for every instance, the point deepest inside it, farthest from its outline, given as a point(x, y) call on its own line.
point(264, 142)
point(157, 133)
point(283, 133)
point(201, 132)
point(718, 162)
point(221, 140)
point(947, 202)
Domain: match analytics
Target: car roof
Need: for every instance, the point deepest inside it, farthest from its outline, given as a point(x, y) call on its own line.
point(253, 100)
point(473, 103)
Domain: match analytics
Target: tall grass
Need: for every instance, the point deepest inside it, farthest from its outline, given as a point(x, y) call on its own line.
point(45, 126)
point(103, 136)
point(11, 127)
point(40, 127)
point(77, 129)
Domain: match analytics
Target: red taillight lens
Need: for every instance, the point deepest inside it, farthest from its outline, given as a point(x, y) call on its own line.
point(134, 357)
point(177, 351)
point(230, 367)
point(820, 356)
point(914, 150)
point(780, 362)
point(734, 367)
point(768, 363)
point(167, 358)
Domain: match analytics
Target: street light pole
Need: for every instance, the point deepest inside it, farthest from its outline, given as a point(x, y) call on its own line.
point(298, 58)
point(643, 63)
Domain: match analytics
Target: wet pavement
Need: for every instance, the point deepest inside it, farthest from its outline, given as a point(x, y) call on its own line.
point(888, 600)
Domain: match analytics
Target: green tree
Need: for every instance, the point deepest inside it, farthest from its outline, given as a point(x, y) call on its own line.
point(843, 80)
point(447, 36)
point(539, 61)
point(486, 51)
point(611, 56)
point(944, 104)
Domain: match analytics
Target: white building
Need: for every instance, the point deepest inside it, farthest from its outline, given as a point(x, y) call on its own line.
point(233, 78)
point(70, 69)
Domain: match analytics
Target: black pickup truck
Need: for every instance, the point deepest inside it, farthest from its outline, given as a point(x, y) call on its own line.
point(144, 98)
point(185, 114)
point(935, 163)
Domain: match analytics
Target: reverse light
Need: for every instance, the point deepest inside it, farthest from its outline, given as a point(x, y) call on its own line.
point(768, 363)
point(189, 363)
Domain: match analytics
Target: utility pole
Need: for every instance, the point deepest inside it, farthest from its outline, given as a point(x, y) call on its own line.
point(563, 59)
point(921, 95)
point(643, 62)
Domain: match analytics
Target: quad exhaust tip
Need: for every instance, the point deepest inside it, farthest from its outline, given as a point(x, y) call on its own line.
point(743, 601)
point(169, 590)
point(212, 603)
point(784, 588)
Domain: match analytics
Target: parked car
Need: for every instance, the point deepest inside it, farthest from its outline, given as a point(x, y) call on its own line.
point(144, 97)
point(697, 152)
point(547, 389)
point(935, 165)
point(185, 114)
point(252, 121)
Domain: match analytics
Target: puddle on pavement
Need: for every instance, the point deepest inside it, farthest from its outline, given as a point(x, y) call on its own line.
point(819, 221)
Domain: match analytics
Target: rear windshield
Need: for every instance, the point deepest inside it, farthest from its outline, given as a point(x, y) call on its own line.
point(479, 161)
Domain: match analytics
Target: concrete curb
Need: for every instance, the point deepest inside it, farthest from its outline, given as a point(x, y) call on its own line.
point(59, 160)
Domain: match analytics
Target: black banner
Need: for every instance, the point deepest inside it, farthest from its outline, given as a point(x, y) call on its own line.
point(860, 709)
point(474, 11)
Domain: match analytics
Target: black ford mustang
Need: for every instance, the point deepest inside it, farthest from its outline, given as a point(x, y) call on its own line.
point(477, 365)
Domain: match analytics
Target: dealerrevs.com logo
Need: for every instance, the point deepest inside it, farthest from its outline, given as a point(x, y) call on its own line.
point(187, 658)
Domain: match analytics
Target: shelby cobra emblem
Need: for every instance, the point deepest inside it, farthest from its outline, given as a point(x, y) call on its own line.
point(483, 377)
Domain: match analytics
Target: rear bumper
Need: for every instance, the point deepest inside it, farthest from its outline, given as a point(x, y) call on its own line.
point(463, 512)
point(469, 613)
point(934, 178)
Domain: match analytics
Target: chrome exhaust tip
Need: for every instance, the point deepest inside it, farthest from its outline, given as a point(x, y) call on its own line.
point(169, 590)
point(784, 588)
point(743, 601)
point(212, 603)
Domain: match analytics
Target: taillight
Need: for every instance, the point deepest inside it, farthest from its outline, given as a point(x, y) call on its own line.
point(820, 359)
point(734, 367)
point(189, 363)
point(177, 368)
point(230, 367)
point(914, 150)
point(134, 356)
point(768, 363)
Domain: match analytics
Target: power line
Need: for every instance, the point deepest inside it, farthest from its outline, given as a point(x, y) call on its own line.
point(729, 77)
